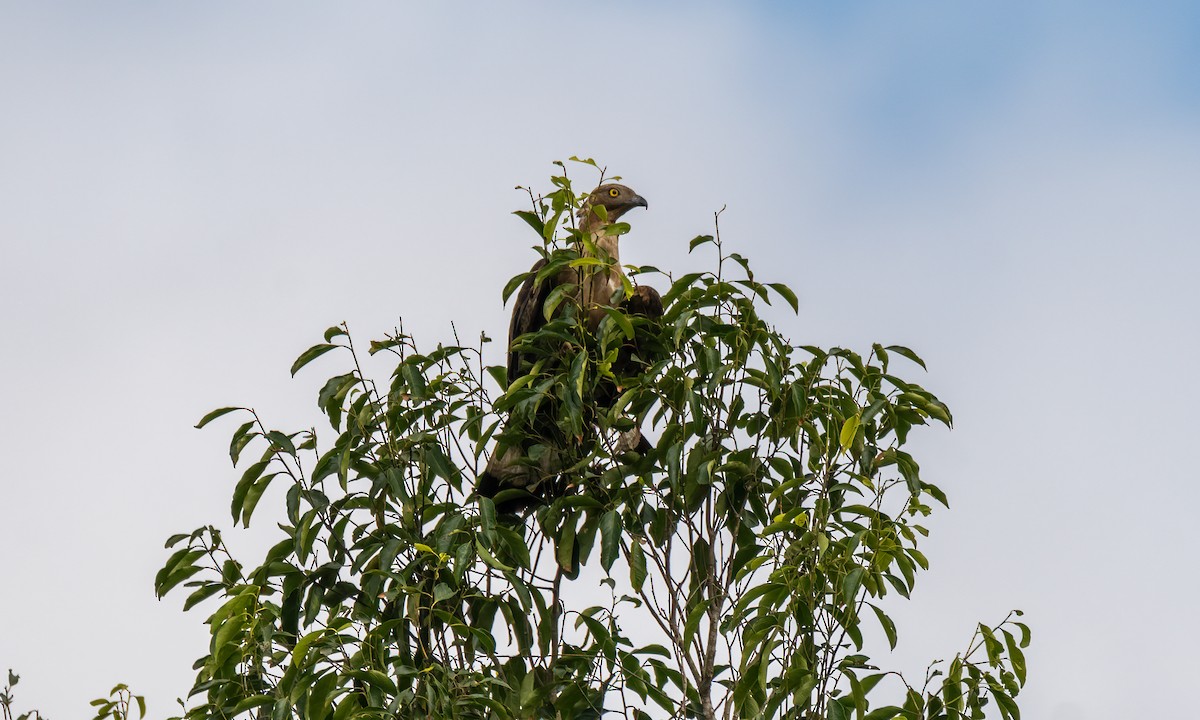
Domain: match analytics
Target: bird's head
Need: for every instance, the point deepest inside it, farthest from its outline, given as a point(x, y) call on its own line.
point(615, 199)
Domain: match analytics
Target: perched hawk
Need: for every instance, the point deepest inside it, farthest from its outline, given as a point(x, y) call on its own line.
point(594, 290)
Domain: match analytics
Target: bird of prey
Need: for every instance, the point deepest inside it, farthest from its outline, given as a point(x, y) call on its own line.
point(594, 288)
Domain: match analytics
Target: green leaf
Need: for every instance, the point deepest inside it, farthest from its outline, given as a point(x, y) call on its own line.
point(637, 565)
point(579, 373)
point(851, 583)
point(1025, 635)
point(952, 695)
point(311, 354)
point(937, 494)
point(214, 415)
point(175, 539)
point(786, 293)
point(1008, 706)
point(557, 296)
point(849, 428)
point(281, 441)
point(243, 487)
point(227, 636)
point(241, 438)
point(318, 696)
point(566, 548)
point(202, 594)
point(551, 225)
point(442, 592)
point(836, 711)
point(251, 702)
point(489, 558)
point(532, 220)
point(621, 319)
point(253, 495)
point(590, 262)
point(301, 650)
point(889, 627)
point(1016, 657)
point(375, 679)
point(610, 539)
point(349, 707)
point(905, 352)
point(698, 241)
point(693, 621)
point(991, 645)
point(178, 568)
point(487, 515)
point(511, 286)
point(499, 375)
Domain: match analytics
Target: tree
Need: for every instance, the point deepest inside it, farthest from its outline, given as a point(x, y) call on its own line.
point(118, 705)
point(741, 558)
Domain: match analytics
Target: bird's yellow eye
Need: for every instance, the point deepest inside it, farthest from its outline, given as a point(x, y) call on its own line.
point(614, 192)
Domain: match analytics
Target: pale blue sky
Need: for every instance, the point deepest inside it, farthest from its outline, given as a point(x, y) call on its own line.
point(191, 193)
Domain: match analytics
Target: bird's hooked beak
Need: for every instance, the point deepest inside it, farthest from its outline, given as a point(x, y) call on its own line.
point(638, 201)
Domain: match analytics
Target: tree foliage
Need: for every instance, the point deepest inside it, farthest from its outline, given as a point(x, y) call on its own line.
point(728, 573)
point(118, 705)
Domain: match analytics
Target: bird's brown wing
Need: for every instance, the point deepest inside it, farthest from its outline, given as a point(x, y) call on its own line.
point(644, 301)
point(527, 314)
point(637, 354)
